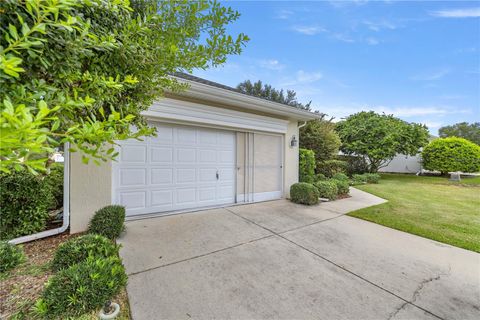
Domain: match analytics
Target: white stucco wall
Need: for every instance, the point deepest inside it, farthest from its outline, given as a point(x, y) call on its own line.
point(291, 158)
point(90, 190)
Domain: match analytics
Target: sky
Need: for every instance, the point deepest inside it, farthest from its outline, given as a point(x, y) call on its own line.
point(419, 61)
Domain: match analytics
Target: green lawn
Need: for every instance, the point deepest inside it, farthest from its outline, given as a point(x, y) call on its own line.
point(431, 207)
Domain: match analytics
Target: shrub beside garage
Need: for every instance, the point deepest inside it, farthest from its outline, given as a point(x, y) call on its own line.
point(26, 199)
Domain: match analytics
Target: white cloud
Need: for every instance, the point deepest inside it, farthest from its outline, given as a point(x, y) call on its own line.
point(432, 124)
point(379, 25)
point(433, 75)
point(457, 13)
point(309, 30)
point(372, 41)
point(342, 37)
point(301, 79)
point(271, 64)
point(308, 77)
point(284, 14)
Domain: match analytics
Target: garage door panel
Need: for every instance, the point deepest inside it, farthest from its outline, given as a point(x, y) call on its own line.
point(161, 155)
point(226, 139)
point(226, 175)
point(226, 192)
point(185, 196)
point(207, 175)
point(207, 156)
point(186, 155)
point(133, 200)
point(186, 136)
point(207, 137)
point(227, 156)
point(185, 175)
point(132, 177)
point(207, 194)
point(161, 198)
point(133, 153)
point(164, 135)
point(161, 176)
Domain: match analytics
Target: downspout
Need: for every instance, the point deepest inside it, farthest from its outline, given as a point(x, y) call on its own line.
point(66, 205)
point(302, 125)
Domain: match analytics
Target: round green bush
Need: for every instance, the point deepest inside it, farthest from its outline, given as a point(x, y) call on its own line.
point(340, 176)
point(327, 189)
point(342, 187)
point(10, 256)
point(108, 221)
point(82, 287)
point(79, 249)
point(451, 155)
point(304, 193)
point(24, 203)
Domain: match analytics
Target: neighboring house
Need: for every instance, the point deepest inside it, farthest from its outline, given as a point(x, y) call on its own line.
point(404, 164)
point(215, 147)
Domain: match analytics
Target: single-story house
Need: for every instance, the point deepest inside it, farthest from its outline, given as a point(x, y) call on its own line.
point(215, 147)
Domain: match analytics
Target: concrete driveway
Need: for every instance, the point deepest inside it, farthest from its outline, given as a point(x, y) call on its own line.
point(278, 260)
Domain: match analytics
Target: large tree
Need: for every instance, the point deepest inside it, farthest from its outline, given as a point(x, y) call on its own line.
point(469, 131)
point(320, 136)
point(379, 137)
point(266, 91)
point(82, 71)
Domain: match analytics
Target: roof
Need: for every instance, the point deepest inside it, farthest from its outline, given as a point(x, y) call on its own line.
point(244, 100)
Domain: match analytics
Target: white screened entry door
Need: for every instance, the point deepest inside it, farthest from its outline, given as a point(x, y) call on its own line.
point(183, 167)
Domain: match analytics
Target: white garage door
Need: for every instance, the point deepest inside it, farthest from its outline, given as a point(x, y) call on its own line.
point(182, 168)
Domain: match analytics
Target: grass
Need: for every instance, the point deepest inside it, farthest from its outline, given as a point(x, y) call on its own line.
point(22, 286)
point(431, 207)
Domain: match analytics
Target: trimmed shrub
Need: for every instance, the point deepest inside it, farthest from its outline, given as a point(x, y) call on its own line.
point(358, 179)
point(330, 167)
point(82, 287)
point(451, 154)
point(327, 189)
point(10, 256)
point(108, 221)
point(24, 204)
point(77, 250)
point(342, 186)
point(306, 165)
point(320, 177)
point(372, 177)
point(340, 176)
point(304, 193)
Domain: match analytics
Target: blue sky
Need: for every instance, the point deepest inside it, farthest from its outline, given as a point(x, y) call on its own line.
point(417, 60)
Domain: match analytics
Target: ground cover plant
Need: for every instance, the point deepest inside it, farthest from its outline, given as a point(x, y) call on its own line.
point(431, 207)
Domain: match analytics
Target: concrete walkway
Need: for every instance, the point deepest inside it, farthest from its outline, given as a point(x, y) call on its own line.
point(279, 260)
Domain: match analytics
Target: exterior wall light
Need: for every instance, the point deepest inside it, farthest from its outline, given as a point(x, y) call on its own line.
point(293, 141)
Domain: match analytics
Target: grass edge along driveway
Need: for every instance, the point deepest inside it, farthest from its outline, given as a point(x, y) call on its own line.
point(430, 207)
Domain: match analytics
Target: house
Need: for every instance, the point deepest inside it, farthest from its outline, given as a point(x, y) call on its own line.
point(215, 147)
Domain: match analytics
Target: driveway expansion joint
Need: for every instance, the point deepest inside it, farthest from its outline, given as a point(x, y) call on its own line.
point(200, 255)
point(405, 302)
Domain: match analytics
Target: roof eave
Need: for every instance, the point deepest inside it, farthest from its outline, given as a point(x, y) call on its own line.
point(228, 97)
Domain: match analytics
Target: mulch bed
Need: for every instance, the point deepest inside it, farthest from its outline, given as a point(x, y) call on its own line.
point(20, 287)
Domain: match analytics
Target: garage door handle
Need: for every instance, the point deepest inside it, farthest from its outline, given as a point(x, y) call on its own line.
point(217, 175)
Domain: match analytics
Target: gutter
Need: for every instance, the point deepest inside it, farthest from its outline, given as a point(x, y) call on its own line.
point(66, 205)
